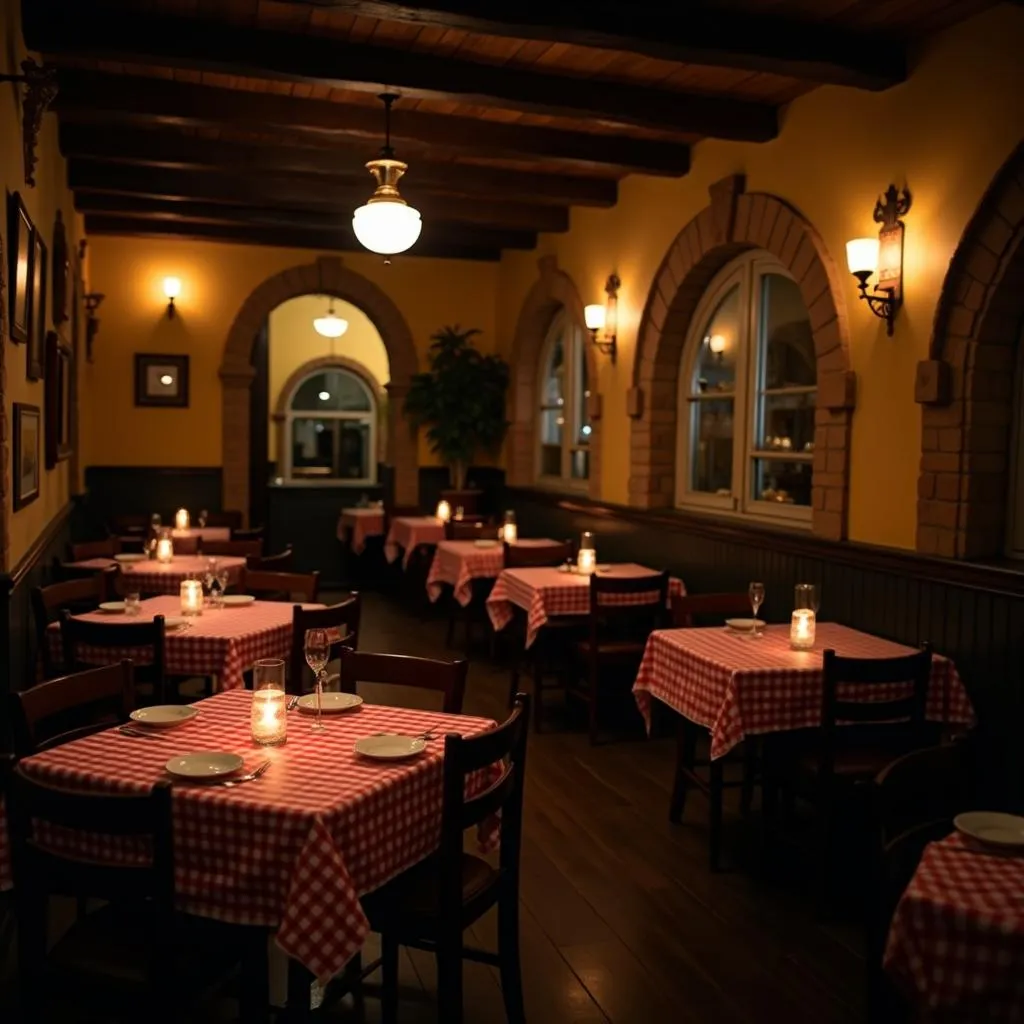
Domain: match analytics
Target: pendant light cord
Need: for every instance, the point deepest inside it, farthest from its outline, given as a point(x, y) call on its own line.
point(387, 98)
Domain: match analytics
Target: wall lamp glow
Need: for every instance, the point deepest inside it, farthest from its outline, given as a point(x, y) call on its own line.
point(172, 289)
point(882, 255)
point(602, 319)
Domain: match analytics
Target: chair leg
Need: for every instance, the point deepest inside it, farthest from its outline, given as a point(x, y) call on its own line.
point(715, 814)
point(389, 979)
point(449, 979)
point(592, 709)
point(513, 685)
point(538, 691)
point(750, 764)
point(508, 958)
point(686, 756)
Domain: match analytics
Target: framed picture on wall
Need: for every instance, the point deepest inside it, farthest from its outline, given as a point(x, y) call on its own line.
point(34, 367)
point(59, 383)
point(161, 380)
point(19, 272)
point(27, 430)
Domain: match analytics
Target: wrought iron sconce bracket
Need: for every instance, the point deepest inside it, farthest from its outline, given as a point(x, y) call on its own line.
point(40, 81)
point(608, 341)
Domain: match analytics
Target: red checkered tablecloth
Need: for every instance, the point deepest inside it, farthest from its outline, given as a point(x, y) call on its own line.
point(459, 562)
point(737, 685)
point(360, 524)
point(957, 937)
point(408, 532)
point(546, 592)
point(151, 577)
point(294, 850)
point(222, 642)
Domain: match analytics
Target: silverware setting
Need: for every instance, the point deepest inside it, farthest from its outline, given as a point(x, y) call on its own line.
point(292, 704)
point(430, 735)
point(239, 779)
point(145, 734)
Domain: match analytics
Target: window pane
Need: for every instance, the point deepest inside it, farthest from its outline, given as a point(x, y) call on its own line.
point(581, 427)
point(788, 483)
point(711, 446)
point(332, 391)
point(554, 375)
point(550, 460)
point(579, 464)
point(788, 346)
point(788, 422)
point(331, 449)
point(715, 366)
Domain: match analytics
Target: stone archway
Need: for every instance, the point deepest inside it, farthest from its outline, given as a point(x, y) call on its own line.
point(326, 276)
point(553, 291)
point(966, 386)
point(734, 223)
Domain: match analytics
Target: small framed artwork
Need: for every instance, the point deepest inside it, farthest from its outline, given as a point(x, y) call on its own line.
point(27, 430)
point(34, 367)
point(19, 273)
point(161, 380)
point(59, 399)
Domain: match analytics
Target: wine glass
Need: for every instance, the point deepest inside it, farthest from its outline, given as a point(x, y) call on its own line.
point(203, 516)
point(756, 592)
point(317, 651)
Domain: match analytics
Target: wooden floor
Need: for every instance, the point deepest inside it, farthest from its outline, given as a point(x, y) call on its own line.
point(622, 921)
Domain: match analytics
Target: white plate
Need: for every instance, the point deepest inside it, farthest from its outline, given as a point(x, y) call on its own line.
point(204, 764)
point(164, 716)
point(129, 558)
point(484, 543)
point(992, 828)
point(566, 568)
point(745, 625)
point(112, 606)
point(237, 600)
point(331, 703)
point(390, 747)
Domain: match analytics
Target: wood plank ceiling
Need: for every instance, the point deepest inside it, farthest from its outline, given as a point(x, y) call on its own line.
point(252, 120)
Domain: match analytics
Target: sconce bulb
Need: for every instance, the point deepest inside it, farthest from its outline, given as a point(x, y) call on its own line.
point(172, 287)
point(717, 344)
point(862, 256)
point(594, 316)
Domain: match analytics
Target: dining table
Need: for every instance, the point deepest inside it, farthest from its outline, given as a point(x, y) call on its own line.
point(293, 850)
point(357, 525)
point(149, 576)
point(956, 941)
point(548, 592)
point(407, 533)
point(202, 533)
point(457, 563)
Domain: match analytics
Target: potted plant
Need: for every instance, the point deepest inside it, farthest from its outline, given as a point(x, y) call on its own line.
point(460, 400)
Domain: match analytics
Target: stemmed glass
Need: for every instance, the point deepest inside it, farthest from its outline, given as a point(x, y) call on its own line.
point(756, 592)
point(317, 650)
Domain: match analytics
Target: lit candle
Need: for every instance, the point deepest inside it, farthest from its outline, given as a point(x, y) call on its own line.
point(586, 560)
point(509, 531)
point(191, 597)
point(269, 717)
point(181, 519)
point(801, 629)
point(164, 550)
point(444, 511)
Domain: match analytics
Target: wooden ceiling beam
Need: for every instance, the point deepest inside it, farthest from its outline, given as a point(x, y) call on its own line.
point(340, 239)
point(93, 97)
point(678, 32)
point(57, 28)
point(341, 163)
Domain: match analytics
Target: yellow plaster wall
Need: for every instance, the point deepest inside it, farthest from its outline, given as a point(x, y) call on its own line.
point(944, 132)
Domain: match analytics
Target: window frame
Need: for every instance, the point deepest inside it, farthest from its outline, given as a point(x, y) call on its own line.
point(748, 273)
point(369, 416)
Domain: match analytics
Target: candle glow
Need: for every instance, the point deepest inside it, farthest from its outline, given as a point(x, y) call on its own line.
point(191, 597)
point(444, 511)
point(269, 719)
point(181, 519)
point(164, 550)
point(586, 561)
point(801, 629)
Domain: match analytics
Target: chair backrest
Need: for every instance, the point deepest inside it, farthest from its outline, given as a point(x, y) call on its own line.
point(77, 595)
point(230, 519)
point(445, 677)
point(253, 533)
point(626, 607)
point(707, 609)
point(280, 586)
point(186, 545)
point(341, 619)
point(95, 549)
point(503, 746)
point(281, 562)
point(899, 690)
point(527, 556)
point(118, 637)
point(470, 528)
point(51, 713)
point(236, 548)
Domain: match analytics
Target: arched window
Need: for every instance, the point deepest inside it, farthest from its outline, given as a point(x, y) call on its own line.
point(565, 428)
point(331, 429)
point(747, 394)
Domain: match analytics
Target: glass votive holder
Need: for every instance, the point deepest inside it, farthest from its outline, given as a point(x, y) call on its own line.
point(191, 597)
point(801, 629)
point(181, 519)
point(444, 511)
point(269, 712)
point(586, 561)
point(509, 529)
point(164, 550)
point(133, 603)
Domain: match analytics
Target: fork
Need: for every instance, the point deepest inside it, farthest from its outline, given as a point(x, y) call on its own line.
point(128, 730)
point(251, 777)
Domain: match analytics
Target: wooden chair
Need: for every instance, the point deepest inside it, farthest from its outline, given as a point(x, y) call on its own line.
point(281, 562)
point(76, 595)
point(689, 610)
point(68, 708)
point(231, 519)
point(617, 634)
point(95, 549)
point(446, 677)
point(431, 905)
point(280, 586)
point(140, 957)
point(118, 636)
point(539, 555)
point(253, 533)
point(233, 548)
point(186, 545)
point(341, 620)
point(469, 528)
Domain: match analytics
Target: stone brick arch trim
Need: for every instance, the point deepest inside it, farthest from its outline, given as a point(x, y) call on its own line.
point(553, 291)
point(966, 386)
point(325, 276)
point(735, 222)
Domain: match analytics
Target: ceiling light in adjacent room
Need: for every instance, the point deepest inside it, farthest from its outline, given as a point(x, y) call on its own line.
point(330, 326)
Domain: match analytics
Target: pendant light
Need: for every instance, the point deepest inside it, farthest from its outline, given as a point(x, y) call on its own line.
point(330, 326)
point(387, 224)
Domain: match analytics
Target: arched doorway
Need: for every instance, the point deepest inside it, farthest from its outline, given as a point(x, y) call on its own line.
point(326, 276)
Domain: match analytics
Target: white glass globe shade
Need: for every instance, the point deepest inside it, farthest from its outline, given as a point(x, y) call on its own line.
point(594, 316)
point(386, 227)
point(862, 255)
point(330, 326)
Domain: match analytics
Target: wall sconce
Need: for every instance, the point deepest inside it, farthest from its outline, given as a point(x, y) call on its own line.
point(40, 81)
point(602, 320)
point(172, 289)
point(882, 255)
point(92, 322)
